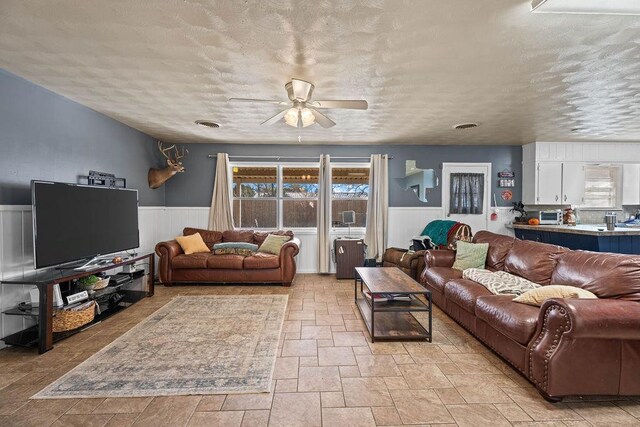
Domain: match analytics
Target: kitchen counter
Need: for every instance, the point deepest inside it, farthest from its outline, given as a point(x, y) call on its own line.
point(624, 240)
point(585, 229)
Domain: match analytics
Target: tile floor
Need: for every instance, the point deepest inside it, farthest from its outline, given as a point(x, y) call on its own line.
point(327, 373)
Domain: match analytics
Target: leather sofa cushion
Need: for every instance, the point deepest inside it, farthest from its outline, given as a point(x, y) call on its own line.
point(261, 261)
point(464, 292)
point(230, 262)
point(198, 260)
point(210, 237)
point(238, 236)
point(533, 260)
point(516, 321)
point(606, 275)
point(499, 247)
point(260, 236)
point(437, 277)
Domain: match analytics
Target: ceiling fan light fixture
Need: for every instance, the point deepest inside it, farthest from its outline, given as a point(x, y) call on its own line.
point(587, 7)
point(307, 117)
point(291, 117)
point(299, 117)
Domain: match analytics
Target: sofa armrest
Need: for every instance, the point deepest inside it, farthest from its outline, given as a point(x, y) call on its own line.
point(290, 249)
point(580, 347)
point(439, 258)
point(599, 318)
point(287, 260)
point(166, 251)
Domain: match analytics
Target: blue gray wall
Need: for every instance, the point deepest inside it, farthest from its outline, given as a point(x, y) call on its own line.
point(194, 187)
point(46, 136)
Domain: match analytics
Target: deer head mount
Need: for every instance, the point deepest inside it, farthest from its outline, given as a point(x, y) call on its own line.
point(157, 177)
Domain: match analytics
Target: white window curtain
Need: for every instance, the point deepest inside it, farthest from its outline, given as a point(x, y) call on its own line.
point(378, 206)
point(324, 214)
point(221, 214)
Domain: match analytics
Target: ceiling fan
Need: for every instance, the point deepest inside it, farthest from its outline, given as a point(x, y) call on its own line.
point(302, 111)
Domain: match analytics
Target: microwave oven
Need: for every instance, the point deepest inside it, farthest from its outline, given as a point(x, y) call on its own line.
point(551, 217)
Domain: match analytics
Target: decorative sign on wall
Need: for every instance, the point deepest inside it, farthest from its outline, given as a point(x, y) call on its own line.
point(507, 179)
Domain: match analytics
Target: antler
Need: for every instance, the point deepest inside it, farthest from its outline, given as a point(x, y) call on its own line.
point(181, 154)
point(164, 150)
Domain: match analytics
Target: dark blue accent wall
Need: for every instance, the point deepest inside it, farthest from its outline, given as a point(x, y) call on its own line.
point(194, 187)
point(49, 137)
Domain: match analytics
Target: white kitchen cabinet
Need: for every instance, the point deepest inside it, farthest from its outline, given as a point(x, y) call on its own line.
point(573, 183)
point(549, 183)
point(631, 184)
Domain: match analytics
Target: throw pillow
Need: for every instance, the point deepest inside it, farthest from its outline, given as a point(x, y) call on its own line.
point(272, 244)
point(470, 255)
point(538, 296)
point(233, 251)
point(236, 245)
point(192, 244)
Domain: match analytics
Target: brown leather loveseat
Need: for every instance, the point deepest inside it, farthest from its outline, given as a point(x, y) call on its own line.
point(567, 346)
point(176, 267)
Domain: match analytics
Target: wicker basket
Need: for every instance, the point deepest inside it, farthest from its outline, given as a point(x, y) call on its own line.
point(66, 320)
point(103, 283)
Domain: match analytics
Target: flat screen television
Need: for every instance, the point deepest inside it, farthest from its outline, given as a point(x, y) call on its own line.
point(73, 222)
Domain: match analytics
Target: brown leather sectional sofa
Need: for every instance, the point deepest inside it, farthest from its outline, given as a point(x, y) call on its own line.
point(176, 267)
point(567, 346)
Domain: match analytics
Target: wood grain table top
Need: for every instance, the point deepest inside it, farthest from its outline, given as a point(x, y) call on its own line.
point(389, 280)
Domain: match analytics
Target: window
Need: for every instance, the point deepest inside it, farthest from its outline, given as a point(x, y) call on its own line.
point(299, 197)
point(255, 197)
point(286, 196)
point(602, 183)
point(275, 196)
point(349, 192)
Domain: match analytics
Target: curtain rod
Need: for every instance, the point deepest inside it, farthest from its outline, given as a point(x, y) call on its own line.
point(213, 156)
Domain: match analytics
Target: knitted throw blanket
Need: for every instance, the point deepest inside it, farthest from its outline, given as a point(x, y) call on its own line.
point(499, 282)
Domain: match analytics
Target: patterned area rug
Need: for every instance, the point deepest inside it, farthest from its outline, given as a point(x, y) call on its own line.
point(192, 345)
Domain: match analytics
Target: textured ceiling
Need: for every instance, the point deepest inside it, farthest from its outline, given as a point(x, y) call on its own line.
point(423, 66)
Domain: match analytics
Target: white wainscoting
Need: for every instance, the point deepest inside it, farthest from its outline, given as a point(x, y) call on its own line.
point(405, 223)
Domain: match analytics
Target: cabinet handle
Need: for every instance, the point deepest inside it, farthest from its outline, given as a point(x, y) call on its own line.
point(565, 197)
point(556, 197)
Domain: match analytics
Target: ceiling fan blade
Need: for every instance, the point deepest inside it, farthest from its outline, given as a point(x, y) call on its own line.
point(259, 101)
point(351, 104)
point(275, 118)
point(301, 89)
point(322, 120)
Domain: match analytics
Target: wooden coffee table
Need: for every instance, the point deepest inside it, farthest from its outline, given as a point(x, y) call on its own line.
point(392, 320)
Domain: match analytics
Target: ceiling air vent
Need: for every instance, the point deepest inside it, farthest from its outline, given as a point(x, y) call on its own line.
point(463, 126)
point(207, 124)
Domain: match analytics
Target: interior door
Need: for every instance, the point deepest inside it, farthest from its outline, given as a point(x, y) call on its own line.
point(477, 221)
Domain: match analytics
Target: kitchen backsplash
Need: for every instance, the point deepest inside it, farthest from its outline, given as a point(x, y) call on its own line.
point(587, 216)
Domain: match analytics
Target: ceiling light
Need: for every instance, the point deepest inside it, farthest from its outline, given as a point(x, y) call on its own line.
point(291, 117)
point(307, 117)
point(464, 126)
point(207, 124)
point(299, 117)
point(591, 7)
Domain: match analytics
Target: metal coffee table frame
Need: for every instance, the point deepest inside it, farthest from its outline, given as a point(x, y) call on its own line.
point(393, 320)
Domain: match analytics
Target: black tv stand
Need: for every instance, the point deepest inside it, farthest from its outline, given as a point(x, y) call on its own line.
point(42, 335)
